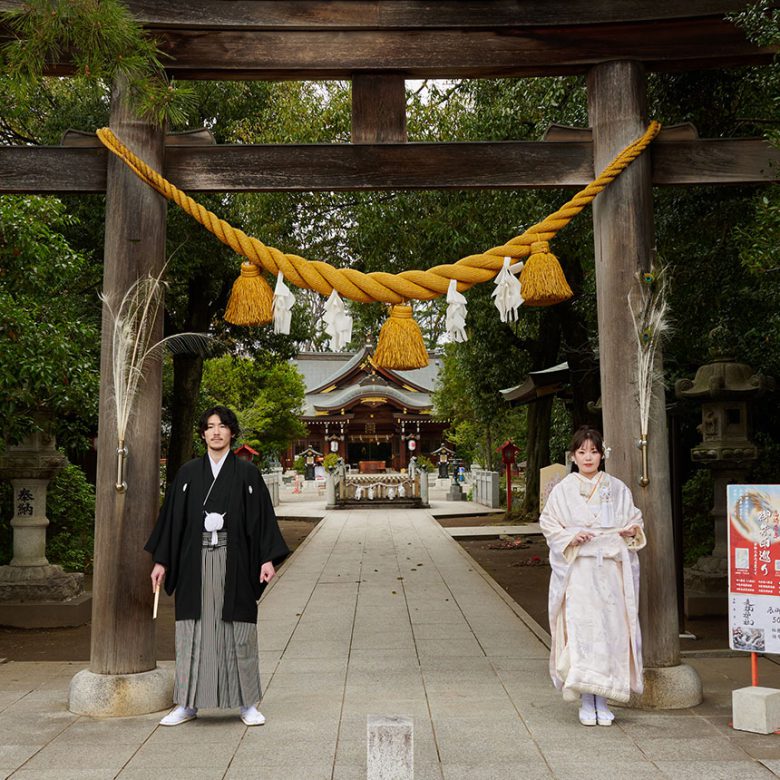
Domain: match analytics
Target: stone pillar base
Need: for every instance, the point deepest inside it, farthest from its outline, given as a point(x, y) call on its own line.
point(669, 688)
point(120, 695)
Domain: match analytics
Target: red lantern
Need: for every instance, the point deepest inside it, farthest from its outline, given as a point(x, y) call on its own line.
point(508, 452)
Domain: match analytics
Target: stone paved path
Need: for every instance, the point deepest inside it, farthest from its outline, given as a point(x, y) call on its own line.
point(381, 612)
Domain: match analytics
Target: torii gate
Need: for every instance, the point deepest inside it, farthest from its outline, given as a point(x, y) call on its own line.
point(377, 44)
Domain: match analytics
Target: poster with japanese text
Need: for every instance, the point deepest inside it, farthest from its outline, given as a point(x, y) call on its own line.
point(754, 567)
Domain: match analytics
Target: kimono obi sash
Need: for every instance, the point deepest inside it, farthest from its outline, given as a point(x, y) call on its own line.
point(605, 544)
point(221, 540)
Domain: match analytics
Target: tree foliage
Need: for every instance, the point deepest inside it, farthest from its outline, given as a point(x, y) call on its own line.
point(265, 394)
point(48, 323)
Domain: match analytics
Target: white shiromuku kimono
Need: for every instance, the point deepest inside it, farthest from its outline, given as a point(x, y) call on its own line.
point(594, 588)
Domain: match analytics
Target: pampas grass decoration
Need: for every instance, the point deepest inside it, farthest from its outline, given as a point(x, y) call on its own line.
point(647, 304)
point(251, 299)
point(133, 330)
point(400, 344)
point(542, 279)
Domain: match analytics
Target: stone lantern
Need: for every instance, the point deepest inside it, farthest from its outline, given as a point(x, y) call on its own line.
point(34, 593)
point(725, 389)
point(444, 455)
point(310, 456)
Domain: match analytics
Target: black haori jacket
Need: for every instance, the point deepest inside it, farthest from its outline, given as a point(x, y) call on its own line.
point(253, 536)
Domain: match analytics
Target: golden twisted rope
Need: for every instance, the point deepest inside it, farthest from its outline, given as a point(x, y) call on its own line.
point(380, 286)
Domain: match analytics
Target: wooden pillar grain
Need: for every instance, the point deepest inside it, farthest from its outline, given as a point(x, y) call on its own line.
point(122, 629)
point(378, 108)
point(624, 239)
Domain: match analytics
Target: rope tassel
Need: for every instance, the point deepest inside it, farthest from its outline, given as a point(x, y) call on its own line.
point(400, 344)
point(251, 299)
point(542, 278)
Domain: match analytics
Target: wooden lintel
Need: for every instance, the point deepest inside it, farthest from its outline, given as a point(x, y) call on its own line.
point(715, 162)
point(446, 53)
point(365, 167)
point(356, 14)
point(405, 14)
point(447, 50)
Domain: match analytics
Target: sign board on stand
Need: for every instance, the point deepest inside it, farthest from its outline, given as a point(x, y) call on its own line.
point(754, 567)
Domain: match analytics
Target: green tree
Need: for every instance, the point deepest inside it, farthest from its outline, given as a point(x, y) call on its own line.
point(48, 324)
point(266, 395)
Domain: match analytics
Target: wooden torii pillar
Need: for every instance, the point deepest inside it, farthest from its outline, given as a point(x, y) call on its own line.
point(123, 677)
point(624, 240)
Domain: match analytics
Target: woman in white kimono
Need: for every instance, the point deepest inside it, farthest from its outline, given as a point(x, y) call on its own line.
point(593, 530)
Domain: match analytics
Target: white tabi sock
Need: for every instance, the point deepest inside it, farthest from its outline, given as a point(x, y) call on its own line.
point(587, 710)
point(602, 710)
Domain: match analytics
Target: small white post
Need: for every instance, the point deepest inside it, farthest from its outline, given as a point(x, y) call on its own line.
point(390, 747)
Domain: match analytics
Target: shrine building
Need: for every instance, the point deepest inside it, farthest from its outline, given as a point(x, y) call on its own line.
point(375, 418)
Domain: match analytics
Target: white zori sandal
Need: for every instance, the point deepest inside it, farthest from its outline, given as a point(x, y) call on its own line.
point(252, 716)
point(179, 715)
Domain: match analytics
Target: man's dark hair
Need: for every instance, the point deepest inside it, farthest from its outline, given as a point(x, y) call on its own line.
point(226, 417)
point(586, 433)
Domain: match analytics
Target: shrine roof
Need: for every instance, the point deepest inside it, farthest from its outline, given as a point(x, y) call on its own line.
point(321, 370)
point(348, 395)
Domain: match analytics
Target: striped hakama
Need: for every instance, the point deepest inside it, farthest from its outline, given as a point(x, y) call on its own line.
point(216, 662)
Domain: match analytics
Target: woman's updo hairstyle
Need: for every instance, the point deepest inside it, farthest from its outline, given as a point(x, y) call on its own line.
point(586, 433)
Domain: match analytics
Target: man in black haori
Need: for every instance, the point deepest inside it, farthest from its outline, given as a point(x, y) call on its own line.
point(215, 545)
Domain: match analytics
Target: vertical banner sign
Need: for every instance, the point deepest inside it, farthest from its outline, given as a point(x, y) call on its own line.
point(754, 567)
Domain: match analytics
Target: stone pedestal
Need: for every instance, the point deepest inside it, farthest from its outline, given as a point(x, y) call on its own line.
point(30, 587)
point(669, 688)
point(456, 493)
point(120, 695)
point(38, 583)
